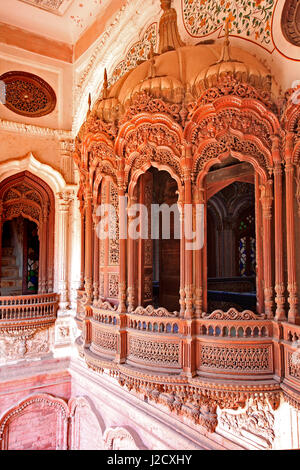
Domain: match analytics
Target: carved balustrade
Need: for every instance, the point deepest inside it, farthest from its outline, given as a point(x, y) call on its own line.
point(226, 344)
point(22, 310)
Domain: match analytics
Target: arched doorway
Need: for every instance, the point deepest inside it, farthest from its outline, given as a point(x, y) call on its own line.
point(158, 248)
point(231, 248)
point(20, 257)
point(229, 256)
point(27, 235)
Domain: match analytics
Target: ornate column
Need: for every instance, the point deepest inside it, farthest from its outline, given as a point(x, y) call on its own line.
point(132, 257)
point(96, 260)
point(182, 259)
point(198, 199)
point(279, 273)
point(64, 199)
point(122, 332)
point(82, 251)
point(122, 243)
point(67, 147)
point(43, 250)
point(188, 252)
point(290, 230)
point(88, 263)
point(266, 201)
point(259, 248)
point(188, 324)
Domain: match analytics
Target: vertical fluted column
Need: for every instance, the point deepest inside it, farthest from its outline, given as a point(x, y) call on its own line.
point(44, 250)
point(96, 260)
point(132, 257)
point(290, 230)
point(188, 324)
point(182, 259)
point(198, 199)
point(88, 263)
point(122, 243)
point(63, 221)
point(188, 223)
point(279, 273)
point(266, 200)
point(259, 248)
point(122, 310)
point(82, 241)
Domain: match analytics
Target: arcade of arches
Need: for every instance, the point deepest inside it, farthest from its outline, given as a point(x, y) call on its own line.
point(152, 336)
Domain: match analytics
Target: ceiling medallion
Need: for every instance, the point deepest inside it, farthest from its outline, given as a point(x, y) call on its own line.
point(290, 21)
point(28, 94)
point(58, 7)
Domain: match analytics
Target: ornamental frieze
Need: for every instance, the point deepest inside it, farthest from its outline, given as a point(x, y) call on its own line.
point(145, 103)
point(155, 352)
point(227, 119)
point(255, 423)
point(238, 359)
point(104, 340)
point(227, 143)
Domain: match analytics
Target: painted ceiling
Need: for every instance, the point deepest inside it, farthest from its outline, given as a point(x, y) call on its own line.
point(130, 26)
point(63, 20)
point(257, 21)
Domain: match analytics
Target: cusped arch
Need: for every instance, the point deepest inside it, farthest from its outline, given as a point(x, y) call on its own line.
point(25, 194)
point(38, 405)
point(215, 151)
point(29, 163)
point(158, 129)
point(245, 115)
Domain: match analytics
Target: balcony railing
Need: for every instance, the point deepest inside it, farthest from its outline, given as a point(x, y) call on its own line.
point(21, 309)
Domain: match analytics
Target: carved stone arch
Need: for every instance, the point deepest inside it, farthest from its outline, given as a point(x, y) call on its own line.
point(86, 425)
point(246, 116)
point(135, 173)
point(25, 194)
point(104, 168)
point(29, 163)
point(233, 87)
point(216, 151)
point(43, 413)
point(122, 438)
point(157, 129)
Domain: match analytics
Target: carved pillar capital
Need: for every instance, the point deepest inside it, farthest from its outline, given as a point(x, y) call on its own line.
point(64, 200)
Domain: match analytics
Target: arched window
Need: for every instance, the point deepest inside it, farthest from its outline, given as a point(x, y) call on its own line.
point(27, 235)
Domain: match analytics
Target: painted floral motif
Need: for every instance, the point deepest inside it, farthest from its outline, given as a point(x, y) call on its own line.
point(136, 54)
point(249, 19)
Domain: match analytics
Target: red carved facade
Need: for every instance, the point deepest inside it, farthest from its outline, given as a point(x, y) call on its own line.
point(207, 131)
